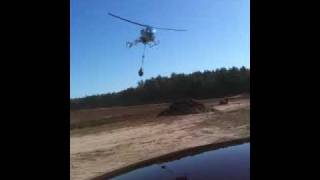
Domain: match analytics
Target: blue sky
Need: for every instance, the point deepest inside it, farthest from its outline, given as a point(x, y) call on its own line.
point(218, 36)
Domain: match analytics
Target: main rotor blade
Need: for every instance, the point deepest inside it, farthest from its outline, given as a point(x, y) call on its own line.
point(169, 29)
point(127, 20)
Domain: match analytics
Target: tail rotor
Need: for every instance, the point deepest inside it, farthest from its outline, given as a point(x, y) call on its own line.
point(129, 44)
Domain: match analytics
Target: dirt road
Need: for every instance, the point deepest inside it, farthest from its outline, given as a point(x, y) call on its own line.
point(135, 134)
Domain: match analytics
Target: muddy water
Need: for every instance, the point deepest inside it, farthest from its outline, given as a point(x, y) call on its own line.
point(228, 163)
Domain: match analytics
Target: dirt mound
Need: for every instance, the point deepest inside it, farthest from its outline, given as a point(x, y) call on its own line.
point(224, 101)
point(184, 106)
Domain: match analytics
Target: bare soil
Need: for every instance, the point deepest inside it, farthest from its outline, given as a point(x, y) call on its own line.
point(107, 139)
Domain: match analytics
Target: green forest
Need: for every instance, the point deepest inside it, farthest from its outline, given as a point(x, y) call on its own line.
point(216, 83)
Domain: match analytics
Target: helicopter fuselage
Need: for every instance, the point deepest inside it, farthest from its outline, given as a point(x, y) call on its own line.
point(147, 35)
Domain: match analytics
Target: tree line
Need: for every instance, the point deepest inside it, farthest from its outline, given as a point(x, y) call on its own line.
point(199, 85)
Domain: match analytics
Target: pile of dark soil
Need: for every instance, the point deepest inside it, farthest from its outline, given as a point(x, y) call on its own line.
point(184, 106)
point(224, 101)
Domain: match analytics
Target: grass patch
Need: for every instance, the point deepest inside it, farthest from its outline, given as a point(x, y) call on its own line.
point(91, 123)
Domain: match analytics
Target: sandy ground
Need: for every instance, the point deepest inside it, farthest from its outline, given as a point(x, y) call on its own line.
point(135, 134)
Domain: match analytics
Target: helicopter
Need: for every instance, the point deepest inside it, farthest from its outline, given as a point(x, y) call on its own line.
point(147, 36)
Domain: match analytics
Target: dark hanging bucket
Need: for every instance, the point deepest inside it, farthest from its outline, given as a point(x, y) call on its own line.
point(141, 72)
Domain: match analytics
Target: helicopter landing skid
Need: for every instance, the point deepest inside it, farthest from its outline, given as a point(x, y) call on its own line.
point(154, 44)
point(134, 43)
